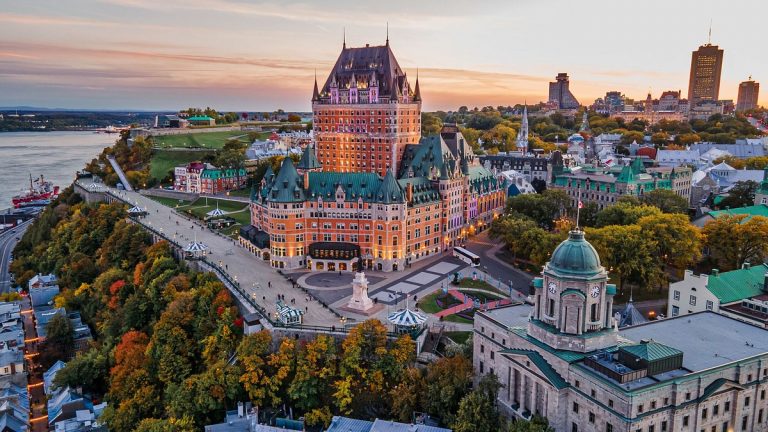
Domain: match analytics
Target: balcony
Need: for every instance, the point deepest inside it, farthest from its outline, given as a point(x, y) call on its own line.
point(594, 326)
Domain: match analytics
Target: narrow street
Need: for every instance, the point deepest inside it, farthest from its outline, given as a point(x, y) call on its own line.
point(37, 416)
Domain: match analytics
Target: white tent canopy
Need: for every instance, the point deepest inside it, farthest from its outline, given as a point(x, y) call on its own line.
point(196, 247)
point(216, 212)
point(406, 318)
point(136, 210)
point(95, 186)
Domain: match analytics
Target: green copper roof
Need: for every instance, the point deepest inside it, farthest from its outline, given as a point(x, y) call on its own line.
point(575, 256)
point(200, 118)
point(481, 180)
point(287, 186)
point(424, 191)
point(545, 368)
point(651, 351)
point(430, 158)
point(309, 159)
point(389, 192)
point(223, 173)
point(356, 185)
point(739, 284)
point(755, 210)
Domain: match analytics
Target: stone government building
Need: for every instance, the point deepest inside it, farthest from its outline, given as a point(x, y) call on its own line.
point(565, 358)
point(371, 189)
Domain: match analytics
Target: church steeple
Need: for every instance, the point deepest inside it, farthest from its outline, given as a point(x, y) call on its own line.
point(522, 136)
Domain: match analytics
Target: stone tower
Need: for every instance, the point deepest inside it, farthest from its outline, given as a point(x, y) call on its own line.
point(573, 301)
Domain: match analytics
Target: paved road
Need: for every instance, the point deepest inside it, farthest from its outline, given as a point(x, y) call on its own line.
point(486, 248)
point(7, 243)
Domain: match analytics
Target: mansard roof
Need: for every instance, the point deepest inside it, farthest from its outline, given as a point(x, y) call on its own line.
point(361, 64)
point(424, 191)
point(430, 158)
point(481, 180)
point(355, 185)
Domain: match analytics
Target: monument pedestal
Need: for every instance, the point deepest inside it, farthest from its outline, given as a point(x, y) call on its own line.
point(360, 302)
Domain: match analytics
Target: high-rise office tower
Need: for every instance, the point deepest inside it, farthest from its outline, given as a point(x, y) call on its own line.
point(706, 65)
point(560, 93)
point(748, 91)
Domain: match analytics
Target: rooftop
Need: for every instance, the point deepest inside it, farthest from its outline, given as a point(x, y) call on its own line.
point(707, 339)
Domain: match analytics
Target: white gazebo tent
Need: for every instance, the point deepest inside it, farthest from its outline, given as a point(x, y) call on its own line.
point(216, 212)
point(195, 250)
point(406, 320)
point(95, 187)
point(136, 211)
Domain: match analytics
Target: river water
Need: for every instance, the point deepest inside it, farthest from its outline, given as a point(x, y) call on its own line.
point(56, 155)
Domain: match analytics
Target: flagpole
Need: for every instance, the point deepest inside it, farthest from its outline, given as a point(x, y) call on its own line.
point(578, 208)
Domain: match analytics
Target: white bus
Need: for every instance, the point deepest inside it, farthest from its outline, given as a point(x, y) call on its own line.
point(466, 256)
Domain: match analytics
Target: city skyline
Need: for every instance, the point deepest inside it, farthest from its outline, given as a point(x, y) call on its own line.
point(232, 55)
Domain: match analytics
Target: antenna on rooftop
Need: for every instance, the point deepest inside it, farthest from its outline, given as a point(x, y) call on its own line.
point(344, 44)
point(709, 39)
point(387, 32)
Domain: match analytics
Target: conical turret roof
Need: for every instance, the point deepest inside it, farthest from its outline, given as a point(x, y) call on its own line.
point(389, 191)
point(309, 159)
point(287, 185)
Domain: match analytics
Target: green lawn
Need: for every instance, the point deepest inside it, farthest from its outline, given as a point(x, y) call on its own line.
point(458, 336)
point(457, 319)
point(165, 161)
point(169, 202)
point(479, 284)
point(210, 140)
point(246, 192)
point(199, 209)
point(429, 304)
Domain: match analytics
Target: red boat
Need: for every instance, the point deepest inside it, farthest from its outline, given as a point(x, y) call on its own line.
point(40, 193)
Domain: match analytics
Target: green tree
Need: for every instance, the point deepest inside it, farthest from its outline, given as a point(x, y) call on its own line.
point(536, 424)
point(735, 239)
point(88, 370)
point(624, 213)
point(627, 252)
point(478, 410)
point(677, 242)
point(316, 369)
point(742, 194)
point(448, 380)
point(543, 208)
point(666, 200)
point(406, 396)
point(59, 340)
point(430, 124)
point(252, 354)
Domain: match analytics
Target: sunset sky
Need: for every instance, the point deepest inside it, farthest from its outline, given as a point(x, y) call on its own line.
point(251, 55)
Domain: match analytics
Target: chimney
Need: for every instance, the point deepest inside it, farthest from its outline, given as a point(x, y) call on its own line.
point(306, 179)
point(745, 266)
point(715, 272)
point(409, 192)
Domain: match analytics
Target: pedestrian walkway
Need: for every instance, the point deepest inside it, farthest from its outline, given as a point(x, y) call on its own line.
point(255, 276)
point(120, 173)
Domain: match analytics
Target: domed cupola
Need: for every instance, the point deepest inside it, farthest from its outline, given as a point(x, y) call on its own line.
point(575, 257)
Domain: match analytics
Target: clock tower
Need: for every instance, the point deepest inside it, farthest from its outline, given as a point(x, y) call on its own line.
point(573, 299)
